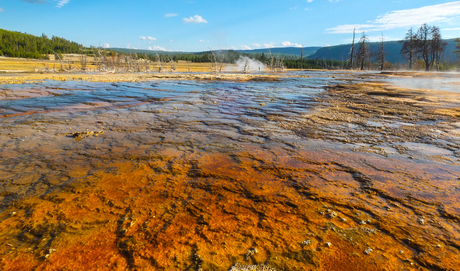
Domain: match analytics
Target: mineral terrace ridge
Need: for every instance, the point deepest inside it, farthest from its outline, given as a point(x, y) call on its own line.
point(312, 170)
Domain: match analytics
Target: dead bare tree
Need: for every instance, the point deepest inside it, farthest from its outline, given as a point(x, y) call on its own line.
point(172, 64)
point(160, 65)
point(381, 54)
point(272, 61)
point(279, 64)
point(424, 45)
point(363, 50)
point(301, 59)
point(352, 51)
point(214, 62)
point(146, 63)
point(408, 49)
point(83, 62)
point(59, 56)
point(437, 45)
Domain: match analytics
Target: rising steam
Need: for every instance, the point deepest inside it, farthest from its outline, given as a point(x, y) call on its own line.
point(246, 64)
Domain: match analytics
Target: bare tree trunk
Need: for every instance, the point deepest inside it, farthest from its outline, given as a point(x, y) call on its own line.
point(301, 59)
point(60, 60)
point(214, 63)
point(352, 49)
point(272, 66)
point(83, 62)
point(381, 57)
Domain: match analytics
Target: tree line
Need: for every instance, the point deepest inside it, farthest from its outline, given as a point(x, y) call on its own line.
point(426, 44)
point(15, 44)
point(422, 48)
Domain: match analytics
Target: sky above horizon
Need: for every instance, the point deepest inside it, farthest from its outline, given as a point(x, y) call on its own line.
point(199, 25)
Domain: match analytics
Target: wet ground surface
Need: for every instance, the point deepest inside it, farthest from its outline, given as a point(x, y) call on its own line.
point(336, 171)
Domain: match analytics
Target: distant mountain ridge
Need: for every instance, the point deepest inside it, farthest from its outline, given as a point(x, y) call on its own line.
point(296, 51)
point(293, 51)
point(336, 52)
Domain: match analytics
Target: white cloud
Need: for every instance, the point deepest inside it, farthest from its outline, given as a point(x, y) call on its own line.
point(269, 45)
point(204, 41)
point(106, 45)
point(256, 45)
point(1, 10)
point(147, 38)
point(404, 18)
point(62, 3)
point(171, 15)
point(309, 1)
point(195, 19)
point(35, 1)
point(171, 40)
point(451, 29)
point(157, 48)
point(245, 47)
point(289, 44)
point(348, 28)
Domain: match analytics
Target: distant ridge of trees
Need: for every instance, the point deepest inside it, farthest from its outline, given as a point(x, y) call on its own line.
point(16, 44)
point(392, 49)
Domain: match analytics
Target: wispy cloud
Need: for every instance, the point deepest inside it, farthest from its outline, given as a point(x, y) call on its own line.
point(171, 15)
point(35, 1)
point(147, 38)
point(404, 18)
point(62, 3)
point(157, 48)
point(204, 41)
point(269, 45)
point(106, 45)
point(289, 44)
point(1, 10)
point(256, 45)
point(451, 29)
point(59, 3)
point(197, 19)
point(245, 47)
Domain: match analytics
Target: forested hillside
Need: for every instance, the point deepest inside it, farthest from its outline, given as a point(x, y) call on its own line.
point(15, 44)
point(392, 52)
point(295, 51)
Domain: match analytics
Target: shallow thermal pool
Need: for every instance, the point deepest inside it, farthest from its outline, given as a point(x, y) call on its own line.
point(190, 175)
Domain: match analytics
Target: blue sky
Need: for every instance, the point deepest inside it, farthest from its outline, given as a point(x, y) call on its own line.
point(196, 25)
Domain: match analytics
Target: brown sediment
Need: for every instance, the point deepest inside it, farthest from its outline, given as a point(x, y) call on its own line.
point(161, 213)
point(186, 189)
point(140, 77)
